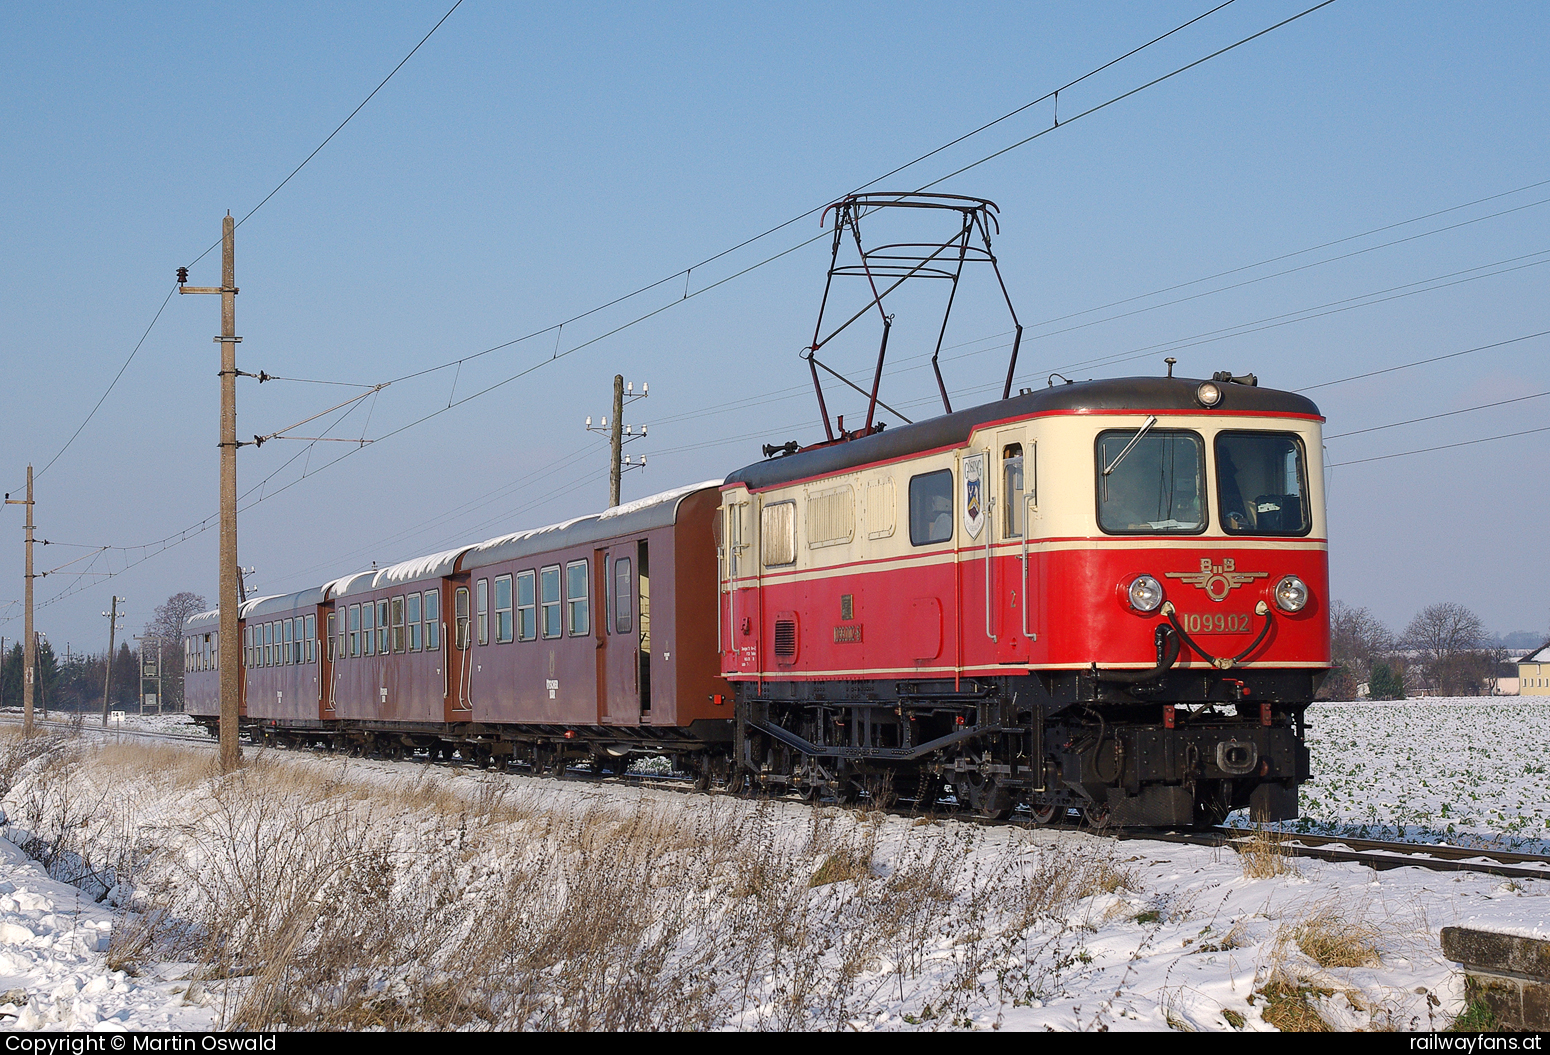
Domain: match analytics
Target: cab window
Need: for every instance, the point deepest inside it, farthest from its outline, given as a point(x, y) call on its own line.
point(1151, 482)
point(1262, 484)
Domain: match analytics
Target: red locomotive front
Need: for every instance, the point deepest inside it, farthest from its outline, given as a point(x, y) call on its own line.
point(1109, 596)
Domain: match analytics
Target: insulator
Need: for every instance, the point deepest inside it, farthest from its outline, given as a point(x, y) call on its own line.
point(182, 275)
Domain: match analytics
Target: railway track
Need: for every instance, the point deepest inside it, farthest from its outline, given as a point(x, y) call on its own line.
point(1373, 853)
point(1376, 854)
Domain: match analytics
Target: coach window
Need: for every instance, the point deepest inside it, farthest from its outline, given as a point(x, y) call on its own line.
point(623, 592)
point(527, 611)
point(460, 618)
point(329, 650)
point(368, 629)
point(247, 647)
point(355, 630)
point(931, 508)
point(415, 627)
point(287, 649)
point(1151, 482)
point(432, 620)
point(312, 639)
point(268, 645)
point(214, 651)
point(382, 627)
point(578, 615)
point(484, 611)
point(503, 609)
point(398, 624)
point(549, 582)
point(1012, 490)
point(1261, 484)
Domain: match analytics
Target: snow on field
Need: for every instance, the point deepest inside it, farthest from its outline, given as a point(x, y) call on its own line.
point(558, 904)
point(1469, 771)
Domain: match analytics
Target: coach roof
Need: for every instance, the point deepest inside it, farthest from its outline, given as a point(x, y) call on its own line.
point(1135, 394)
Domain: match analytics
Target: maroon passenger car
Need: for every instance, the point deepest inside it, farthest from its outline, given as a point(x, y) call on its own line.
point(592, 638)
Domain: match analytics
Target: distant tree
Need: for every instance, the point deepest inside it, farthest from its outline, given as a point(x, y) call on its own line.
point(1448, 636)
point(1385, 683)
point(126, 677)
point(11, 676)
point(1356, 638)
point(166, 627)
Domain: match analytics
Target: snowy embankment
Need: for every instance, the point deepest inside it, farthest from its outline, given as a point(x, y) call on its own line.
point(308, 891)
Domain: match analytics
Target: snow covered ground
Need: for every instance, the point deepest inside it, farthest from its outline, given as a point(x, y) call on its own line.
point(545, 903)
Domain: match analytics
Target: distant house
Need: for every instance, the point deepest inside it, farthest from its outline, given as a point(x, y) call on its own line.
point(1534, 673)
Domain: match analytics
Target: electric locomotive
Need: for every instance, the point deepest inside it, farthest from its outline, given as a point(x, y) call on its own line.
point(1107, 596)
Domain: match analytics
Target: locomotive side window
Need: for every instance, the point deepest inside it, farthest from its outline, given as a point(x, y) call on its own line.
point(1012, 490)
point(931, 508)
point(1151, 482)
point(1261, 484)
point(578, 613)
point(778, 534)
point(433, 620)
point(550, 584)
point(503, 609)
point(527, 610)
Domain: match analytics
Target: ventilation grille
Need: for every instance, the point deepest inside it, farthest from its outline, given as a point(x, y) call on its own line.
point(786, 639)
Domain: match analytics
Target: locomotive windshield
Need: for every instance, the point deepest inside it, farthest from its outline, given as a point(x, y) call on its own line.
point(1151, 481)
point(1261, 484)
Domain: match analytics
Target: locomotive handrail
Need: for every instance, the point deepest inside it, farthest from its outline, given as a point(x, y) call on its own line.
point(1224, 662)
point(807, 747)
point(990, 531)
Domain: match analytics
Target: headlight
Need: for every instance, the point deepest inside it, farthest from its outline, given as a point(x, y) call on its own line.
point(1291, 594)
point(1145, 594)
point(1208, 393)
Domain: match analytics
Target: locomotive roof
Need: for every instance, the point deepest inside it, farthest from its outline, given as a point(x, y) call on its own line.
point(1137, 394)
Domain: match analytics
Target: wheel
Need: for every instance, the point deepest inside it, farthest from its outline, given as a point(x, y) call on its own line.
point(987, 799)
point(1040, 815)
point(1096, 816)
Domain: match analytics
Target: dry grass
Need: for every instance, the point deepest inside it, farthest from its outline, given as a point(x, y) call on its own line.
point(318, 894)
point(1331, 937)
point(1291, 1008)
point(1264, 855)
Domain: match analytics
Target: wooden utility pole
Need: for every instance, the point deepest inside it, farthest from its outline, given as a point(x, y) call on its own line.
point(619, 435)
point(107, 682)
point(616, 441)
point(227, 658)
point(29, 641)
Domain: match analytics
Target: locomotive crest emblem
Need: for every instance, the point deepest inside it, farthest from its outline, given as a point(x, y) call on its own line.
point(974, 494)
point(1217, 580)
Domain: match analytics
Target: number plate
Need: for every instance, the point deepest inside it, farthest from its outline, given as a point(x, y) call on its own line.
point(1216, 623)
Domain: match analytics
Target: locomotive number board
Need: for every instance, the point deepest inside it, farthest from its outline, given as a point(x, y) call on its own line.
point(1216, 623)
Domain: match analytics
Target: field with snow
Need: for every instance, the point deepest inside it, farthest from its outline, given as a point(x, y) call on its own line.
point(309, 892)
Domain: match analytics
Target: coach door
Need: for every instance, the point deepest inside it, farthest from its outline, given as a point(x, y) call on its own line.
point(1015, 580)
point(619, 576)
point(458, 634)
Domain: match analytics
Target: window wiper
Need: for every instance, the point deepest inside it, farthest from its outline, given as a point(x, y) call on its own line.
point(1150, 421)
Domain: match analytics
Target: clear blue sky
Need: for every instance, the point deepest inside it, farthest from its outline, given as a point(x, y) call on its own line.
point(532, 162)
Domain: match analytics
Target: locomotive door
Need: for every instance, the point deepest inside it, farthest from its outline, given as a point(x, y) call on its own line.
point(743, 623)
point(620, 575)
point(1015, 584)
